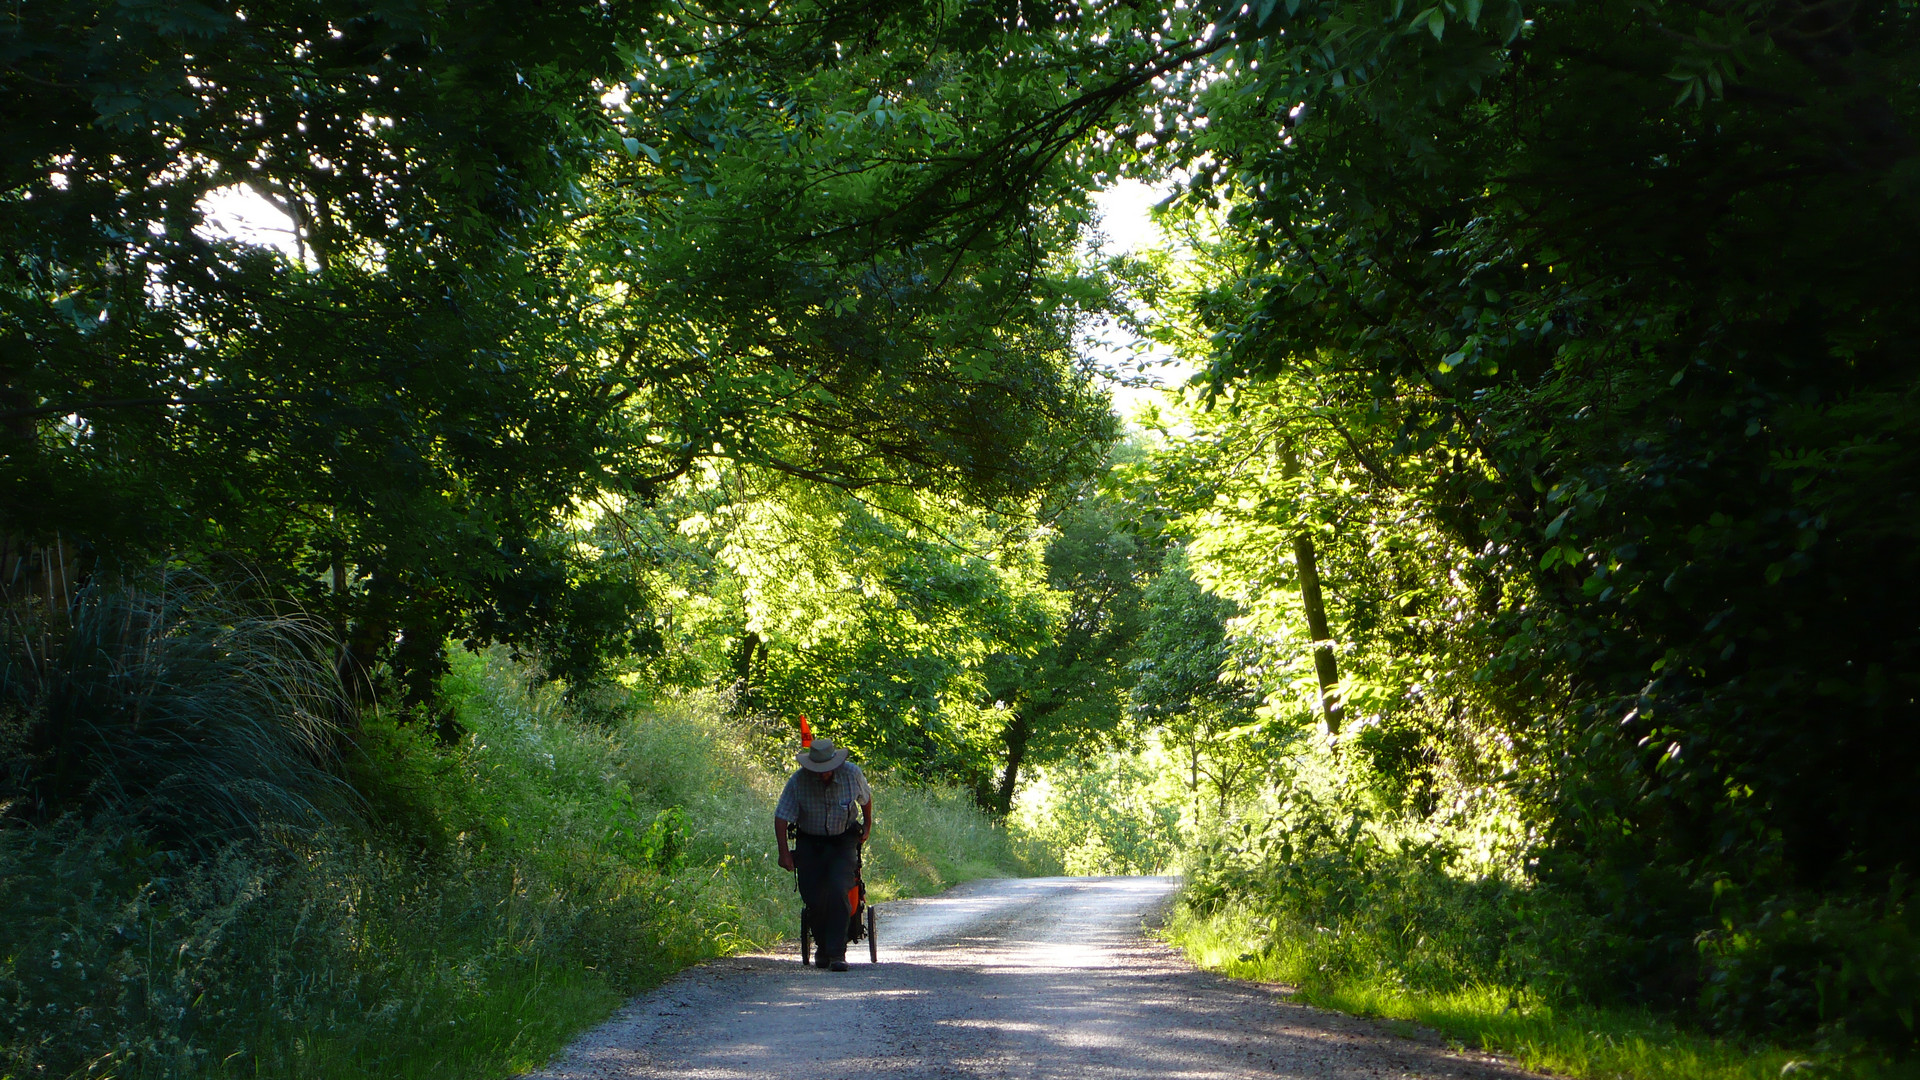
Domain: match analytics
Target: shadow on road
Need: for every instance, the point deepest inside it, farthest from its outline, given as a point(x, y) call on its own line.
point(1034, 978)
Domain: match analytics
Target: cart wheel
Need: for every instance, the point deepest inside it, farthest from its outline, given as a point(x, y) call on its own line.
point(873, 943)
point(806, 941)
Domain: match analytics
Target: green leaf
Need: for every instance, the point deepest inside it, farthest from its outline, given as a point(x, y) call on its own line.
point(1436, 23)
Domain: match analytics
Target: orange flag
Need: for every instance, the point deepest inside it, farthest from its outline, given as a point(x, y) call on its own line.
point(806, 733)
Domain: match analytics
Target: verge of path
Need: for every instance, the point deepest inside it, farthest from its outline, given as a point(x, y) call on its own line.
point(1017, 978)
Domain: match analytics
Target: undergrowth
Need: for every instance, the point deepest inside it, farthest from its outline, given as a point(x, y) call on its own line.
point(486, 902)
point(1364, 912)
point(1570, 1040)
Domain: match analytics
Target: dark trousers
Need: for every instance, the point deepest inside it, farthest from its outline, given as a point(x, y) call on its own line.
point(827, 867)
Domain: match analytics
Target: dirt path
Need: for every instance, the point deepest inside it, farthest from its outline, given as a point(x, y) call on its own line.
point(1041, 977)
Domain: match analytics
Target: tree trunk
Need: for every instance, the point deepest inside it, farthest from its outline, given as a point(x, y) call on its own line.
point(347, 713)
point(1310, 598)
point(18, 406)
point(1016, 734)
point(368, 634)
point(986, 786)
point(742, 689)
point(419, 660)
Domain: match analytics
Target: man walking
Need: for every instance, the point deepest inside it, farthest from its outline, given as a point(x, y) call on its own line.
point(819, 800)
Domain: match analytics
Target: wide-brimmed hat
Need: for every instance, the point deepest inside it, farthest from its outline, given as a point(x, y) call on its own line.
point(822, 756)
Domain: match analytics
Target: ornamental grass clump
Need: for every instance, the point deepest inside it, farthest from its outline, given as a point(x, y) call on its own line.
point(203, 711)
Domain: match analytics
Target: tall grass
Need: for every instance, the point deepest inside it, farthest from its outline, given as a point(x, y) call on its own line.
point(202, 709)
point(486, 901)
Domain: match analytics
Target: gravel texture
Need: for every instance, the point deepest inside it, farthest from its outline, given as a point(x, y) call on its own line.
point(1022, 978)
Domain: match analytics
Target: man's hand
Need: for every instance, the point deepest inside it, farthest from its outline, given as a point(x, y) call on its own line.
point(780, 843)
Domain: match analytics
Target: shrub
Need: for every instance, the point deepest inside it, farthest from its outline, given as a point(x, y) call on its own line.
point(1344, 902)
point(1348, 898)
point(1103, 816)
point(1846, 969)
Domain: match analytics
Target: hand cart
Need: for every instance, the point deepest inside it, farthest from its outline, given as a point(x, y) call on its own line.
point(860, 919)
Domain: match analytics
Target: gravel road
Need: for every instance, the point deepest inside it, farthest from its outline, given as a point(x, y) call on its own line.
point(1023, 978)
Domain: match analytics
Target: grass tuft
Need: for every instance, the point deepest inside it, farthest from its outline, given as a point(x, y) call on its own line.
point(183, 701)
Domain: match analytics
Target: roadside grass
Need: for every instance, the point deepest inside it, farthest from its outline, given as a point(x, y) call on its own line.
point(926, 839)
point(1576, 1041)
point(492, 900)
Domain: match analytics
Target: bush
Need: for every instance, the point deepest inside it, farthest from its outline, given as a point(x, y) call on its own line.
point(1845, 969)
point(202, 710)
point(1345, 898)
point(1357, 909)
point(1103, 816)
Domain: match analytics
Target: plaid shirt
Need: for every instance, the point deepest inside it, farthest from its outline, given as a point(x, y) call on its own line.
point(823, 809)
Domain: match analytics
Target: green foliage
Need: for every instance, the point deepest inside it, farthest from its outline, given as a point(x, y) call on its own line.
point(878, 628)
point(1597, 407)
point(1106, 815)
point(1062, 688)
point(720, 352)
point(1194, 688)
point(934, 639)
point(1355, 911)
point(520, 289)
point(385, 424)
point(934, 837)
point(1578, 1041)
point(1349, 899)
point(511, 890)
point(1624, 343)
point(1330, 888)
point(1844, 967)
point(1184, 655)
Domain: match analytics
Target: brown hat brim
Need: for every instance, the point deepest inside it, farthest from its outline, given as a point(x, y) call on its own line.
point(838, 759)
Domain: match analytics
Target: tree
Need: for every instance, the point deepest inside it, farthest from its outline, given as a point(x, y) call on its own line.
point(1189, 686)
point(506, 306)
point(1642, 359)
point(389, 425)
point(1063, 695)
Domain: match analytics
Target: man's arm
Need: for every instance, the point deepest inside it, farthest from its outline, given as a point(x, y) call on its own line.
point(863, 794)
point(780, 834)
